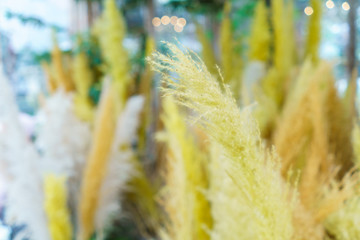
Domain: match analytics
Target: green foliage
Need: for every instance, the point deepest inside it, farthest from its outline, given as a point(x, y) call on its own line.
point(243, 14)
point(198, 6)
point(37, 22)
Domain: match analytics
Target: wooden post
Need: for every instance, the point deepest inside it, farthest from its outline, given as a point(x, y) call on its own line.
point(351, 50)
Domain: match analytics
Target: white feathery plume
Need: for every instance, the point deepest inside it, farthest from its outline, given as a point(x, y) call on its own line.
point(252, 75)
point(63, 141)
point(24, 201)
point(120, 167)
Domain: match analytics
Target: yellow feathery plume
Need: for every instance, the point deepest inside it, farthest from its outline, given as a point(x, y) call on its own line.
point(186, 180)
point(61, 75)
point(334, 194)
point(82, 79)
point(97, 162)
point(271, 85)
point(306, 122)
point(314, 32)
point(302, 104)
point(290, 29)
point(305, 226)
point(207, 49)
point(282, 51)
point(317, 160)
point(226, 44)
point(340, 124)
point(56, 208)
point(269, 96)
point(228, 207)
point(265, 113)
point(356, 144)
point(344, 224)
point(51, 82)
point(112, 34)
point(141, 200)
point(231, 62)
point(259, 42)
point(254, 170)
point(281, 41)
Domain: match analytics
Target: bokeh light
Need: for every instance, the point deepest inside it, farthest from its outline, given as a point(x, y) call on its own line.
point(165, 20)
point(181, 22)
point(308, 10)
point(346, 6)
point(330, 4)
point(173, 20)
point(156, 21)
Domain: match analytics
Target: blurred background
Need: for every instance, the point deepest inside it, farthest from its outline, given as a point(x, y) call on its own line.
point(26, 26)
point(30, 29)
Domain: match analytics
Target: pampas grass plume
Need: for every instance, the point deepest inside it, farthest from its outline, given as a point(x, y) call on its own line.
point(56, 208)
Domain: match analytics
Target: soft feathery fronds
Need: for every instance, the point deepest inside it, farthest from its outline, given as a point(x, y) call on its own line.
point(305, 225)
point(282, 55)
point(63, 141)
point(265, 113)
point(259, 42)
point(317, 162)
point(50, 79)
point(282, 51)
point(18, 157)
point(272, 86)
point(344, 223)
point(60, 73)
point(183, 196)
point(61, 152)
point(226, 43)
point(269, 96)
point(306, 123)
point(141, 200)
point(97, 163)
point(111, 34)
point(231, 61)
point(302, 104)
point(300, 85)
point(339, 124)
point(207, 51)
point(83, 79)
point(120, 168)
point(56, 208)
point(314, 32)
point(228, 207)
point(235, 131)
point(335, 193)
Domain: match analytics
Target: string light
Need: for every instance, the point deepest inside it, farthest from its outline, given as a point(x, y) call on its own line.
point(346, 6)
point(156, 21)
point(308, 10)
point(330, 4)
point(165, 20)
point(173, 20)
point(181, 22)
point(178, 23)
